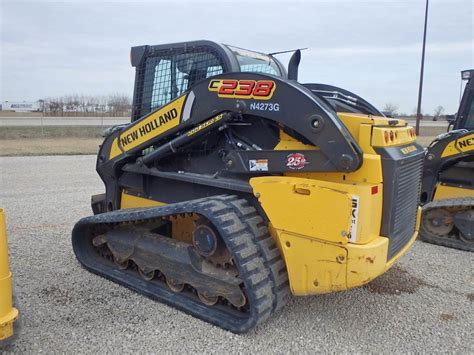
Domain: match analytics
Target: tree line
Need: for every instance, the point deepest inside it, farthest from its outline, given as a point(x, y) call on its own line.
point(391, 110)
point(116, 105)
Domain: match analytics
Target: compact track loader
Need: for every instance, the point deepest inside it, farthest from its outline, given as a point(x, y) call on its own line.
point(235, 186)
point(8, 313)
point(448, 180)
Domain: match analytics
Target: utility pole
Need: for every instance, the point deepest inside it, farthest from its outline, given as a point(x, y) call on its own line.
point(420, 90)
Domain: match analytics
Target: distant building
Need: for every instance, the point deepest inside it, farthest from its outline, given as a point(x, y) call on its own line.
point(21, 106)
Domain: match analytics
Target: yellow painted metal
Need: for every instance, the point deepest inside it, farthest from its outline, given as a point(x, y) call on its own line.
point(324, 249)
point(114, 149)
point(292, 204)
point(443, 192)
point(366, 126)
point(401, 136)
point(368, 261)
point(459, 146)
point(8, 314)
point(362, 129)
point(131, 201)
point(313, 266)
point(369, 173)
point(302, 206)
point(367, 253)
point(289, 143)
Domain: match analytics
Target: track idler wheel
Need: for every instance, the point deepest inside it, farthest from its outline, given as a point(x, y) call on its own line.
point(209, 244)
point(205, 240)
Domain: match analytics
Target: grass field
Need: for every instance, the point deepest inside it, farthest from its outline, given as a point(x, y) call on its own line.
point(71, 140)
point(50, 140)
point(49, 146)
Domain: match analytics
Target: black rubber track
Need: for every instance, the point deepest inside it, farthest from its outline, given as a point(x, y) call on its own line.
point(453, 240)
point(268, 249)
point(260, 268)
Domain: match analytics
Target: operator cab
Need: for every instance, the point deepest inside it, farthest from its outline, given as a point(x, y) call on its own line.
point(164, 72)
point(465, 116)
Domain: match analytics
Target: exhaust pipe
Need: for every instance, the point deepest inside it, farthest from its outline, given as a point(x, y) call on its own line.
point(293, 65)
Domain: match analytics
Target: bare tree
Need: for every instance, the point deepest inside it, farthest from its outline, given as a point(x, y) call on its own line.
point(119, 105)
point(88, 105)
point(438, 112)
point(54, 106)
point(390, 109)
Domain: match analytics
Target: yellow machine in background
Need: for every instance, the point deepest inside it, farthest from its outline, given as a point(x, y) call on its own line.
point(447, 193)
point(8, 314)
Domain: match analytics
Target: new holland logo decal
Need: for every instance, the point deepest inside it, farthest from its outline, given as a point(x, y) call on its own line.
point(149, 127)
point(146, 128)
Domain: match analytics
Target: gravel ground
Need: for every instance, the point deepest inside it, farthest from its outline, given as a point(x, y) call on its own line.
point(424, 304)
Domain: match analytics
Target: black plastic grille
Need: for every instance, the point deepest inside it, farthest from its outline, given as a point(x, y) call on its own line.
point(406, 203)
point(402, 185)
point(166, 74)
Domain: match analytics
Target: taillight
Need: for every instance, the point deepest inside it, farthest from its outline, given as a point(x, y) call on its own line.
point(386, 136)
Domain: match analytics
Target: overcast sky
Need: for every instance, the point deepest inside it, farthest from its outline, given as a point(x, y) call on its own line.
point(373, 48)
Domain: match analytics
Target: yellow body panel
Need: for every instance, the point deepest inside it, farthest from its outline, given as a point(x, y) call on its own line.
point(313, 266)
point(443, 192)
point(317, 240)
point(292, 203)
point(401, 135)
point(289, 143)
point(356, 123)
point(114, 149)
point(327, 244)
point(8, 314)
point(130, 201)
point(461, 145)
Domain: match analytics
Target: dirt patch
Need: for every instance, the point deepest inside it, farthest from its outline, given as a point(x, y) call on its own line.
point(49, 146)
point(396, 281)
point(470, 297)
point(447, 317)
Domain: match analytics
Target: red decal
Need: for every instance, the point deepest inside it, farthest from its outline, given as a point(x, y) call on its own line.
point(296, 161)
point(227, 87)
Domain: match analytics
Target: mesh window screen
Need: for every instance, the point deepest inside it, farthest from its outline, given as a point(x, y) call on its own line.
point(169, 73)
